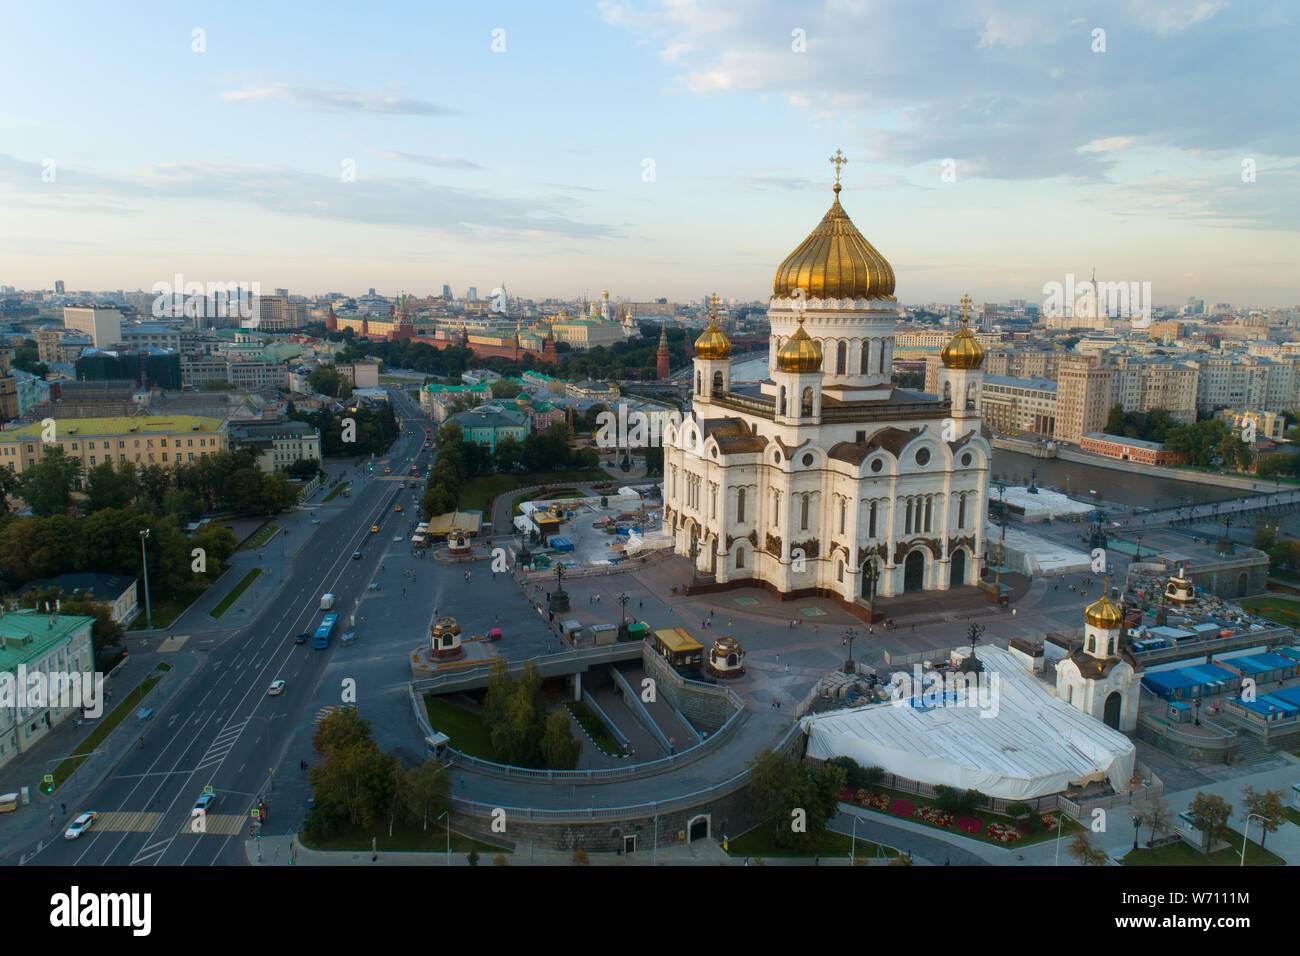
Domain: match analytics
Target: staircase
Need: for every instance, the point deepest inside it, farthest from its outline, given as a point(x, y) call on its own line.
point(1251, 751)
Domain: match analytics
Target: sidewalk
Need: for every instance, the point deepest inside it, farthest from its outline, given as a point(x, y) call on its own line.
point(28, 827)
point(280, 850)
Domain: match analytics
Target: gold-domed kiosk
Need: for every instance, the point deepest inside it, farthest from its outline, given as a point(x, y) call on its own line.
point(726, 658)
point(444, 640)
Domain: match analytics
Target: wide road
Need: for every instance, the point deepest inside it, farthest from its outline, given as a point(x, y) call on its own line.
point(224, 731)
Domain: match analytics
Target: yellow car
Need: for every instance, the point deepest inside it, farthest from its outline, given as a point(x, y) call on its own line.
point(388, 471)
point(398, 508)
point(374, 529)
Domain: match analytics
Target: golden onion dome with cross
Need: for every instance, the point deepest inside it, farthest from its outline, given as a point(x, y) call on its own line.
point(963, 350)
point(835, 261)
point(800, 353)
point(1103, 614)
point(713, 342)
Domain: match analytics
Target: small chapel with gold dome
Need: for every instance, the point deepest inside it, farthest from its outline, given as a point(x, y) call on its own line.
point(1101, 677)
point(826, 478)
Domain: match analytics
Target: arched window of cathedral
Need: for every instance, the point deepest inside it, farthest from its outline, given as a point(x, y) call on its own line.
point(929, 508)
point(871, 521)
point(961, 512)
point(866, 356)
point(883, 358)
point(970, 396)
point(699, 384)
point(947, 392)
point(803, 513)
point(1092, 645)
point(740, 559)
point(843, 512)
point(841, 358)
point(740, 506)
point(717, 383)
point(806, 409)
point(839, 571)
point(907, 522)
point(781, 403)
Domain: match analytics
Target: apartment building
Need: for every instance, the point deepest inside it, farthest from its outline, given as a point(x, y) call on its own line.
point(275, 313)
point(1024, 406)
point(143, 439)
point(360, 374)
point(1141, 384)
point(278, 444)
point(1083, 398)
point(1237, 381)
point(103, 325)
point(52, 645)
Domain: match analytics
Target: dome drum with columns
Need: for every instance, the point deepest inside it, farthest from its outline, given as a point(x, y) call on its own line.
point(825, 477)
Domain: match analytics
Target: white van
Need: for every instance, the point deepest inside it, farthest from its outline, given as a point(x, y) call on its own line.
point(326, 602)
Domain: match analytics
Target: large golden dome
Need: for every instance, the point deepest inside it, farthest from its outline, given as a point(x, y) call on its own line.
point(963, 350)
point(800, 353)
point(835, 262)
point(1101, 613)
point(713, 342)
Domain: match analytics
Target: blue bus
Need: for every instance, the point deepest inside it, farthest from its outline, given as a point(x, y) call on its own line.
point(323, 632)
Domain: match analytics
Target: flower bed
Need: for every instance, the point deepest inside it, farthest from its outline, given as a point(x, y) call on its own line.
point(1047, 822)
point(873, 801)
point(1003, 833)
point(935, 817)
point(969, 825)
point(901, 808)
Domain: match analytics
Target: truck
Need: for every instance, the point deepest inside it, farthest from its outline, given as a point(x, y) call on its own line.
point(326, 602)
point(321, 639)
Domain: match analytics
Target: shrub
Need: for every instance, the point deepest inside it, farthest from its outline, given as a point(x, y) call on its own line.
point(500, 860)
point(580, 857)
point(324, 821)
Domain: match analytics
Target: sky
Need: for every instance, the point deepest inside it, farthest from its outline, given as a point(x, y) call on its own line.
point(652, 147)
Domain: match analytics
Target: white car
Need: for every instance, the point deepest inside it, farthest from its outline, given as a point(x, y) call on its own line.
point(80, 825)
point(276, 688)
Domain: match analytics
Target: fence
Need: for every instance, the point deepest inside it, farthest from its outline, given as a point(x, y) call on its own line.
point(725, 788)
point(619, 736)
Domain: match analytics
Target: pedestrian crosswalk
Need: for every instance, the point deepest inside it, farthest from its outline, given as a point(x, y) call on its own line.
point(128, 821)
point(216, 824)
point(222, 745)
point(174, 643)
point(329, 709)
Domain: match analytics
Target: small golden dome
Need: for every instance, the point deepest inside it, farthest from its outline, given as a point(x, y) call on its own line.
point(835, 262)
point(963, 350)
point(713, 342)
point(1103, 614)
point(800, 353)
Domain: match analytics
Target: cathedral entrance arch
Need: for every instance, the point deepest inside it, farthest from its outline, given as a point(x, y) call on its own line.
point(1114, 703)
point(914, 572)
point(957, 562)
point(698, 829)
point(869, 574)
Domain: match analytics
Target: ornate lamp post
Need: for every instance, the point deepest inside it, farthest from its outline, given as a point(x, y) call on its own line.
point(559, 597)
point(871, 573)
point(850, 635)
point(623, 634)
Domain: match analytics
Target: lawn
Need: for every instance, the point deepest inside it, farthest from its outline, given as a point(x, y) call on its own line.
point(233, 596)
point(1277, 610)
point(122, 711)
point(464, 728)
point(918, 808)
point(166, 612)
point(338, 490)
point(407, 838)
point(595, 728)
point(1183, 854)
point(478, 492)
point(259, 537)
point(759, 842)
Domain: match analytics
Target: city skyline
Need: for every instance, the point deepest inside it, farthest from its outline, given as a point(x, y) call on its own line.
point(631, 147)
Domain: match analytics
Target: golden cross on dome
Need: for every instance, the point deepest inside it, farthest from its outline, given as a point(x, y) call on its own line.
point(714, 300)
point(965, 304)
point(839, 159)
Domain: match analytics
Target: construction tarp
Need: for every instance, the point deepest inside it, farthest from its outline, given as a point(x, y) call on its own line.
point(1034, 744)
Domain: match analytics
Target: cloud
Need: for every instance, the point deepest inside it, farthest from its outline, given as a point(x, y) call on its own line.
point(439, 162)
point(337, 101)
point(375, 200)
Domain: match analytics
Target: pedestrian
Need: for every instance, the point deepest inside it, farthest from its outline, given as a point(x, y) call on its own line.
point(65, 809)
point(728, 622)
point(787, 667)
point(778, 703)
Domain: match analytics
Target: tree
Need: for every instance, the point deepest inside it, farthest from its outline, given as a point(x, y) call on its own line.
point(47, 485)
point(798, 800)
point(1086, 852)
point(1157, 815)
point(1269, 806)
point(425, 791)
point(509, 454)
point(1210, 815)
point(9, 485)
point(110, 487)
point(182, 504)
point(560, 751)
point(580, 857)
point(472, 857)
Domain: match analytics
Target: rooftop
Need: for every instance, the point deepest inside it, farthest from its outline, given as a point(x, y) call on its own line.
point(120, 425)
point(28, 635)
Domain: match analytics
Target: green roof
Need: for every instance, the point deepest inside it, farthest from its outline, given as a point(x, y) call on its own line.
point(118, 425)
point(28, 635)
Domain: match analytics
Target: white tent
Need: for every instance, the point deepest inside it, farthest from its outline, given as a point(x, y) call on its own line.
point(1031, 744)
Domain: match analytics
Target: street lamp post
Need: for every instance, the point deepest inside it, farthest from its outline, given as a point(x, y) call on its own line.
point(851, 635)
point(1059, 827)
point(1137, 825)
point(447, 814)
point(148, 610)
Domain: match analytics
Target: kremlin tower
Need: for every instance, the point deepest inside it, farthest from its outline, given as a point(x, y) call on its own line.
point(548, 350)
point(331, 320)
point(662, 356)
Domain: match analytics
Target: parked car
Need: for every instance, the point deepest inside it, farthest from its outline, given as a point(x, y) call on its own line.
point(356, 555)
point(80, 825)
